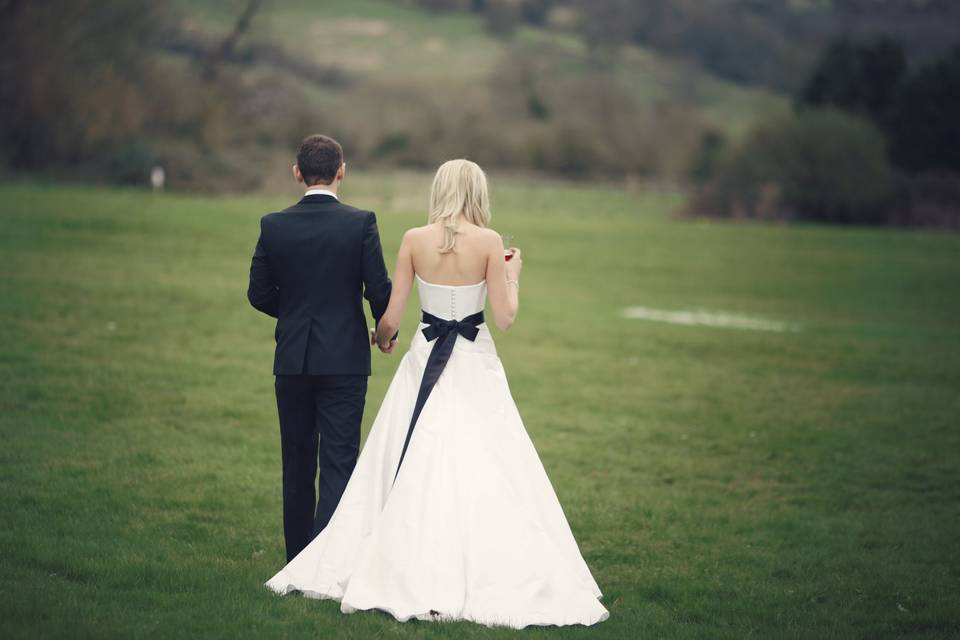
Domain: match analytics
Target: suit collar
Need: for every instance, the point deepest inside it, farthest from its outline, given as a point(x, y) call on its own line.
point(320, 198)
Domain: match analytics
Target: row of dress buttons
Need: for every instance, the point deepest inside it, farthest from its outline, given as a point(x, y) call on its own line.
point(453, 304)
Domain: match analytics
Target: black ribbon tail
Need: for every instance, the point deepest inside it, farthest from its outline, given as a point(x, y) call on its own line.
point(445, 332)
point(436, 362)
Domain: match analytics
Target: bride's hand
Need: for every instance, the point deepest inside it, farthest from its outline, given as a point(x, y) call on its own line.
point(515, 264)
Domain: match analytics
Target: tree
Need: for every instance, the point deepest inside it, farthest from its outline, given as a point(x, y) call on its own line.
point(862, 78)
point(75, 76)
point(926, 125)
point(230, 42)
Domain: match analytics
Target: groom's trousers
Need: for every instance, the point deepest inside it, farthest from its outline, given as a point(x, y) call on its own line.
point(319, 423)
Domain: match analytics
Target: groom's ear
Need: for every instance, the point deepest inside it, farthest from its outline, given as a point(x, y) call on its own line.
point(341, 172)
point(296, 173)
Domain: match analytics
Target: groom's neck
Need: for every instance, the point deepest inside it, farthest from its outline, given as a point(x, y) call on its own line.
point(332, 187)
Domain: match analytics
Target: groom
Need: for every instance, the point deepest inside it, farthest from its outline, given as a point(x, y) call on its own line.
point(311, 265)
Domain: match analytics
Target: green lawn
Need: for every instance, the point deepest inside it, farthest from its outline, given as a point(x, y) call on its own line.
point(722, 483)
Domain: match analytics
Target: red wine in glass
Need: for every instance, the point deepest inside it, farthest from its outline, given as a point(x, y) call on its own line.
point(507, 251)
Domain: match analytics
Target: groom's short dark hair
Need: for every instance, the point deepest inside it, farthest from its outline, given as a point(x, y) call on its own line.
point(319, 157)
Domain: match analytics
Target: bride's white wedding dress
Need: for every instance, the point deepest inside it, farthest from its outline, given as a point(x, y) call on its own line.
point(471, 529)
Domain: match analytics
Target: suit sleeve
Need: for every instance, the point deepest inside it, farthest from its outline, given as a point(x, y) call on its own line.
point(263, 291)
point(376, 282)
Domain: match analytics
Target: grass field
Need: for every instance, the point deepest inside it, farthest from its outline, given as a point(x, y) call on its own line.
point(722, 483)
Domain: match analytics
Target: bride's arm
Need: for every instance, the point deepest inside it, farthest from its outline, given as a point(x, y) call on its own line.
point(402, 282)
point(503, 283)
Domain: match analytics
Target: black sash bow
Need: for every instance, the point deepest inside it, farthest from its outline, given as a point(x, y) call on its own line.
point(445, 333)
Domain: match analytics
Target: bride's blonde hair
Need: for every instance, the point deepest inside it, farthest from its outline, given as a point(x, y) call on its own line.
point(460, 186)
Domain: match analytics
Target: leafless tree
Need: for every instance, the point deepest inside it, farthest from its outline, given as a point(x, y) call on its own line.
point(230, 42)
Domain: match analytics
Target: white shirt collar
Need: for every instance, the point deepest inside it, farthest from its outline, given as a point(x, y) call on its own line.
point(317, 191)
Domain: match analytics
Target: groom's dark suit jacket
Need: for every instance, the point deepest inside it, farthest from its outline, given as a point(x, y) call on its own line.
point(312, 264)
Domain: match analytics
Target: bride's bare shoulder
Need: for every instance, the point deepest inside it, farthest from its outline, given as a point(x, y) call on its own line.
point(487, 237)
point(416, 233)
point(477, 232)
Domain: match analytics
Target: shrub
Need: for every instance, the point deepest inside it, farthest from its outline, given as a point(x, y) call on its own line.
point(444, 5)
point(711, 148)
point(130, 164)
point(928, 199)
point(502, 17)
point(818, 165)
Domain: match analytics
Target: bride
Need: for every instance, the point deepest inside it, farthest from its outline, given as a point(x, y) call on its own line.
point(449, 514)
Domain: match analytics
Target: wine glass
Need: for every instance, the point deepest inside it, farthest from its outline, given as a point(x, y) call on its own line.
point(507, 243)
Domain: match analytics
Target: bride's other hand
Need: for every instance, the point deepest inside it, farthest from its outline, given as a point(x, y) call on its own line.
point(503, 281)
point(515, 264)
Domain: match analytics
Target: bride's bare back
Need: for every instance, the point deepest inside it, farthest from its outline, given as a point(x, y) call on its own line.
point(477, 256)
point(467, 264)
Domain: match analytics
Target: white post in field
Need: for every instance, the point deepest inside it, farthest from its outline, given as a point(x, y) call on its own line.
point(158, 178)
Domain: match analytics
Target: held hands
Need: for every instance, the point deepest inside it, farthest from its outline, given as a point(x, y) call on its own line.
point(383, 349)
point(389, 348)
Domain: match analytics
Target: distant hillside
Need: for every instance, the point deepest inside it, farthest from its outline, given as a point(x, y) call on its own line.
point(403, 85)
point(761, 42)
point(401, 44)
point(215, 89)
